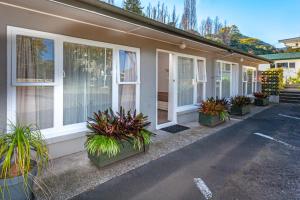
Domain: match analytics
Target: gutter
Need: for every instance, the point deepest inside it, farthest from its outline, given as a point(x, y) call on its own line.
point(126, 16)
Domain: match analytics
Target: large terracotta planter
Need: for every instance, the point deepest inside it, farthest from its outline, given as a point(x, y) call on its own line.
point(127, 151)
point(240, 110)
point(210, 120)
point(261, 101)
point(13, 188)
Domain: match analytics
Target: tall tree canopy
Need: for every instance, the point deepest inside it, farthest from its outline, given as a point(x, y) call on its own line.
point(133, 6)
point(189, 16)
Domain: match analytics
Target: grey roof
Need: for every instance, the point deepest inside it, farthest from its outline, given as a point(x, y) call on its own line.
point(119, 13)
point(295, 39)
point(282, 56)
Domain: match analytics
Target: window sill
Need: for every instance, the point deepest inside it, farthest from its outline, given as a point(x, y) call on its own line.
point(55, 136)
point(187, 109)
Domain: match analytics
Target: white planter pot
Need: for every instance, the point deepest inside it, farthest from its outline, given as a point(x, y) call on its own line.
point(274, 98)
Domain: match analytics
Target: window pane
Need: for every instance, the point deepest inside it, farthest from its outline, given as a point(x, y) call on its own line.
point(128, 66)
point(200, 88)
point(87, 81)
point(226, 80)
point(244, 74)
point(127, 97)
point(244, 88)
point(201, 70)
point(292, 65)
point(185, 81)
point(218, 71)
point(35, 106)
point(35, 59)
point(284, 65)
point(250, 81)
point(218, 89)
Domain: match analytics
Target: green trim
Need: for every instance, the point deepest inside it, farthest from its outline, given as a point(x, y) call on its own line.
point(119, 13)
point(282, 56)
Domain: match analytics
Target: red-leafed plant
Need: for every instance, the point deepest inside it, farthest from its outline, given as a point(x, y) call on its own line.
point(260, 95)
point(109, 129)
point(215, 107)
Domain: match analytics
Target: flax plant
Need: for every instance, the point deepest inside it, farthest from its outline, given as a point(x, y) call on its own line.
point(21, 149)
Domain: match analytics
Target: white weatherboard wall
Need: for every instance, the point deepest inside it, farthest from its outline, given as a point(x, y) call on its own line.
point(290, 72)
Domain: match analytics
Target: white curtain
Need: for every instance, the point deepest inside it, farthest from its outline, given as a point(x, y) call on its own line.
point(35, 106)
point(128, 74)
point(185, 81)
point(226, 80)
point(35, 64)
point(250, 81)
point(201, 78)
point(87, 81)
point(218, 79)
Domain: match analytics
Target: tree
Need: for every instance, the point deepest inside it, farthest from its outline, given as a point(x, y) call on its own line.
point(112, 2)
point(174, 19)
point(133, 6)
point(189, 16)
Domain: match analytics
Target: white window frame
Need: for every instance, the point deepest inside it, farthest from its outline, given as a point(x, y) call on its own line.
point(254, 80)
point(195, 104)
point(137, 83)
point(58, 128)
point(221, 76)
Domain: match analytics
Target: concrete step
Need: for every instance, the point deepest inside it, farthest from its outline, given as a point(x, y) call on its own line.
point(289, 101)
point(289, 96)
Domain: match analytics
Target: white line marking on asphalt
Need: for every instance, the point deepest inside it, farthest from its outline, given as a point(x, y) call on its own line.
point(288, 116)
point(236, 119)
point(203, 188)
point(276, 140)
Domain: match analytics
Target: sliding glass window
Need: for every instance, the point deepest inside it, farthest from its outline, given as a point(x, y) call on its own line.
point(87, 81)
point(57, 82)
point(191, 75)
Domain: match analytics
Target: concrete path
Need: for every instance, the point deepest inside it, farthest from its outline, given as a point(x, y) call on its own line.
point(248, 160)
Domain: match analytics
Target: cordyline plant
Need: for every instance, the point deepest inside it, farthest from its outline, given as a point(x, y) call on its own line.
point(20, 150)
point(215, 107)
point(109, 129)
point(260, 95)
point(240, 101)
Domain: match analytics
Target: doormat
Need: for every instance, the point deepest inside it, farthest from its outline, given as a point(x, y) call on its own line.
point(175, 128)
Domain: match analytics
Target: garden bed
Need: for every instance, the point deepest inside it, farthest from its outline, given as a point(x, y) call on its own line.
point(240, 110)
point(126, 150)
point(210, 120)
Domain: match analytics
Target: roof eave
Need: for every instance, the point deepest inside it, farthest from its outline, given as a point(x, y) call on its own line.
point(121, 14)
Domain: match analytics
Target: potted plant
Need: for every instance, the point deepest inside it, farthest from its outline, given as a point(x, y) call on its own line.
point(261, 99)
point(114, 137)
point(24, 154)
point(240, 105)
point(213, 112)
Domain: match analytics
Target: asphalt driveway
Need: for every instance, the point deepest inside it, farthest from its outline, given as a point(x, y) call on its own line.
point(258, 158)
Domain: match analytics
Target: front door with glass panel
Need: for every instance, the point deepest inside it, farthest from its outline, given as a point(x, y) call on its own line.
point(165, 91)
point(181, 85)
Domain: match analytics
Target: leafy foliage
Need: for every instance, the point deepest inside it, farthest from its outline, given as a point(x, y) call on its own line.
point(18, 148)
point(215, 107)
point(133, 6)
point(272, 81)
point(294, 80)
point(240, 101)
point(109, 129)
point(260, 95)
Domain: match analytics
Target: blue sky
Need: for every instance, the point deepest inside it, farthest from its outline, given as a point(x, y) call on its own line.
point(268, 20)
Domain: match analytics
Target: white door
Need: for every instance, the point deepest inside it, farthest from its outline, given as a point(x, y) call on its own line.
point(166, 115)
